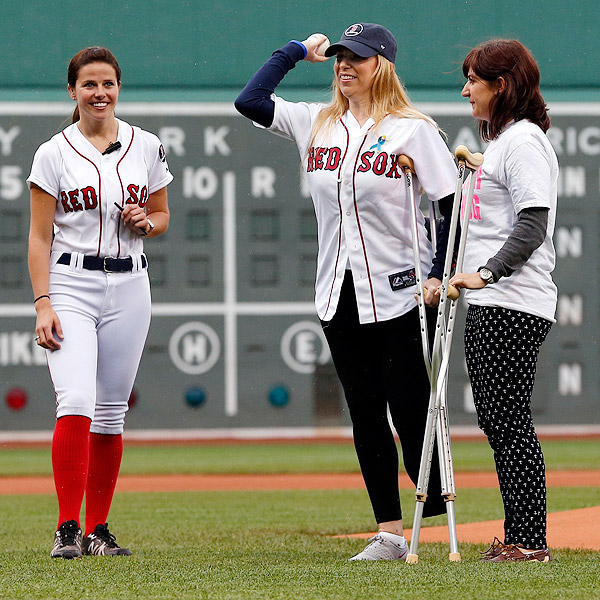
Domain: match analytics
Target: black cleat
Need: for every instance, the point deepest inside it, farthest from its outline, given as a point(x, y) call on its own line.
point(67, 541)
point(102, 543)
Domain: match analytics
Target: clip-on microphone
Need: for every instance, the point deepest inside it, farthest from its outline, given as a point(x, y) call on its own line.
point(112, 146)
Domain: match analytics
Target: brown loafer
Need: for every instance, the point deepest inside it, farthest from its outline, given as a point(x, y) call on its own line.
point(514, 552)
point(495, 549)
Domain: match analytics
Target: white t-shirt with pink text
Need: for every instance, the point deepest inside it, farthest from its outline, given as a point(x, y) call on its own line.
point(520, 171)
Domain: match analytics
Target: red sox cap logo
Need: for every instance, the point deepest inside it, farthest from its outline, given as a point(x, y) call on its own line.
point(353, 30)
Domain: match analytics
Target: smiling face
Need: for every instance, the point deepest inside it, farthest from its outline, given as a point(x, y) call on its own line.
point(480, 93)
point(96, 91)
point(354, 75)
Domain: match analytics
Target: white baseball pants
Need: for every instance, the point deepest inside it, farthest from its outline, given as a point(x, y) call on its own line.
point(105, 319)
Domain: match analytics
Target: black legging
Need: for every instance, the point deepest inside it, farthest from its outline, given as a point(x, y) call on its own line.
point(501, 348)
point(380, 365)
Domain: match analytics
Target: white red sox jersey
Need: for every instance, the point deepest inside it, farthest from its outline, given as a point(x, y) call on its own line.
point(520, 171)
point(87, 183)
point(362, 204)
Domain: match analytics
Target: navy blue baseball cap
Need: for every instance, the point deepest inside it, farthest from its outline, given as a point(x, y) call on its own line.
point(365, 40)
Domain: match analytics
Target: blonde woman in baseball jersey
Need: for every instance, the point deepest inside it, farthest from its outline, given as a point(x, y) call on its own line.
point(365, 282)
point(98, 188)
point(508, 264)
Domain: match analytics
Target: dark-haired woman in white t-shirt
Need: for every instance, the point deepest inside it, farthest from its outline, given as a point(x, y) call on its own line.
point(511, 295)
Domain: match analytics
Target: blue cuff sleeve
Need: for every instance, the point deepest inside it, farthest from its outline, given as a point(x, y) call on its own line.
point(254, 101)
point(302, 46)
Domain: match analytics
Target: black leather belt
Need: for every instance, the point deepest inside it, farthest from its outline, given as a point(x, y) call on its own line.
point(108, 264)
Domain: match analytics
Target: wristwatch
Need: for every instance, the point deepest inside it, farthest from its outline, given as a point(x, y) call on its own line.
point(150, 227)
point(486, 275)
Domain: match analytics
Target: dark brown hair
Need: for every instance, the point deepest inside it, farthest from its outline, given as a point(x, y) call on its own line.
point(85, 57)
point(521, 97)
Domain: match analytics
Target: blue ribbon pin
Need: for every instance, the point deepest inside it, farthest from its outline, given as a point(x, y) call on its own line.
point(379, 143)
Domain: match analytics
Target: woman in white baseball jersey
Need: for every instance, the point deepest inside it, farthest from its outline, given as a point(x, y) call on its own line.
point(508, 263)
point(98, 188)
point(365, 274)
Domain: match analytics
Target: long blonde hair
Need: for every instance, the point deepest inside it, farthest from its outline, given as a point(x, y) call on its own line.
point(388, 97)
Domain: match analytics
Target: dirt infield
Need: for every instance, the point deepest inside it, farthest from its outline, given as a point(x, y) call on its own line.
point(300, 481)
point(578, 528)
point(566, 529)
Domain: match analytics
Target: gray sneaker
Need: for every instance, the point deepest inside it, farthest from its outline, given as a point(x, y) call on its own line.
point(103, 543)
point(384, 546)
point(67, 541)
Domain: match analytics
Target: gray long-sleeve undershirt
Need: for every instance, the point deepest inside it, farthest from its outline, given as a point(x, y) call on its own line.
point(527, 235)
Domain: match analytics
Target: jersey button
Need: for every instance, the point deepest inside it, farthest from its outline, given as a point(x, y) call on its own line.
point(348, 213)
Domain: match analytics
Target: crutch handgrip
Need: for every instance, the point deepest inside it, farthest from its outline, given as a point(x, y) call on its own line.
point(405, 162)
point(473, 160)
point(453, 292)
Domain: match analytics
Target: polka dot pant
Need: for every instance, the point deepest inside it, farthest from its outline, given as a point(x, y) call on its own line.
point(501, 348)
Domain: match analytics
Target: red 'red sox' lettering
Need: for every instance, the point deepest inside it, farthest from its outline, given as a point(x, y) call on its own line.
point(73, 194)
point(333, 160)
point(323, 158)
point(137, 196)
point(87, 198)
point(328, 159)
point(380, 163)
point(70, 200)
point(365, 165)
point(90, 199)
point(64, 199)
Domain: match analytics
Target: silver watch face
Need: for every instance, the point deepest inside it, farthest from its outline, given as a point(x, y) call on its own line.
point(486, 275)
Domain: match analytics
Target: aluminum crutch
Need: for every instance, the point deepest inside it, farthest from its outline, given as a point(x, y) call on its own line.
point(407, 166)
point(437, 420)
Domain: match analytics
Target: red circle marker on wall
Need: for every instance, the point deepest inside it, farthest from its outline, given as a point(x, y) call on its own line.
point(16, 399)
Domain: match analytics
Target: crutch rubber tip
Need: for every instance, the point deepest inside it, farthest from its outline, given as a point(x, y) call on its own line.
point(454, 557)
point(412, 559)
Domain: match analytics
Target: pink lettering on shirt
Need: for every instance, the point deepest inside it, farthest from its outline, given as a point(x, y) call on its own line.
point(475, 214)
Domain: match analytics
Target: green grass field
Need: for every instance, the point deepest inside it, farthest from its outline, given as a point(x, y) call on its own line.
point(226, 545)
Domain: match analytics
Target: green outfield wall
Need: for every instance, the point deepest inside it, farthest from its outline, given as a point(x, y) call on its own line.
point(181, 47)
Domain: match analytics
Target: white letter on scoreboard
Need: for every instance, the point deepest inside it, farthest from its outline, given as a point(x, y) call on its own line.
point(571, 182)
point(11, 182)
point(569, 380)
point(7, 138)
point(570, 309)
point(201, 183)
point(263, 182)
point(569, 241)
point(194, 349)
point(214, 140)
point(586, 144)
point(172, 139)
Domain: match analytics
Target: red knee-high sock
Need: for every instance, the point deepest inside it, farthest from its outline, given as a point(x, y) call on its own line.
point(70, 458)
point(105, 461)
